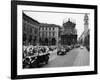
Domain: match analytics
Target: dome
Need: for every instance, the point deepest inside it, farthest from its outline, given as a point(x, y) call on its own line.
point(69, 19)
point(68, 24)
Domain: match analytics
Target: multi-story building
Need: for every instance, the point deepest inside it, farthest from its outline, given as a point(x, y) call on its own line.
point(68, 33)
point(30, 30)
point(48, 34)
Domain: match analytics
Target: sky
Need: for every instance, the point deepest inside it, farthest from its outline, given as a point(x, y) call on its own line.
point(58, 18)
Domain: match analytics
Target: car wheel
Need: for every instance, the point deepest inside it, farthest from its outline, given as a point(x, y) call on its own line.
point(58, 53)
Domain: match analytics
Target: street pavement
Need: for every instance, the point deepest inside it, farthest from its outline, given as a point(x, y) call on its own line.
point(75, 57)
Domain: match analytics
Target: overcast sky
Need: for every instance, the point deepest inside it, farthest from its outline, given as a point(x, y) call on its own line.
point(58, 18)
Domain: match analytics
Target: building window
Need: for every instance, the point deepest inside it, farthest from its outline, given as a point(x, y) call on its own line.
point(53, 28)
point(42, 29)
point(46, 28)
point(49, 28)
point(30, 38)
point(43, 34)
point(39, 33)
point(30, 30)
point(46, 34)
point(35, 31)
point(53, 33)
point(49, 33)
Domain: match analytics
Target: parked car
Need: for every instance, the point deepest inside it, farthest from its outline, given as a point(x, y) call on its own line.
point(42, 59)
point(81, 47)
point(68, 48)
point(61, 51)
point(51, 48)
point(35, 57)
point(30, 62)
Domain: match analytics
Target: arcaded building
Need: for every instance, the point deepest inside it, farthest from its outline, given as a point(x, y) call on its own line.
point(48, 34)
point(30, 30)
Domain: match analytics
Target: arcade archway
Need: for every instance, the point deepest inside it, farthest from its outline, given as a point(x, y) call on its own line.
point(53, 41)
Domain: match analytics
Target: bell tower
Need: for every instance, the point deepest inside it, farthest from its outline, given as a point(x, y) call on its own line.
point(86, 22)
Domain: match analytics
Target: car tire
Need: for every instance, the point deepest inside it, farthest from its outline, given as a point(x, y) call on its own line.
point(58, 53)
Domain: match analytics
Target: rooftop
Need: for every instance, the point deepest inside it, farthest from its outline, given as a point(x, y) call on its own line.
point(69, 24)
point(48, 25)
point(26, 17)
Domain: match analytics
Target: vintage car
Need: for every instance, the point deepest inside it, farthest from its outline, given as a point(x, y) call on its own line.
point(43, 56)
point(68, 48)
point(61, 51)
point(36, 57)
point(30, 62)
point(77, 46)
point(29, 58)
point(51, 48)
point(81, 47)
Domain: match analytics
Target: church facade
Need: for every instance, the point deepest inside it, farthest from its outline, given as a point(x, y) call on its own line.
point(69, 33)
